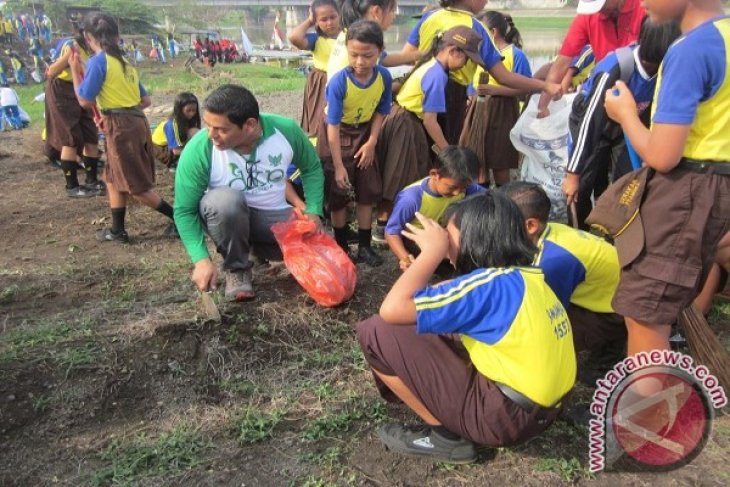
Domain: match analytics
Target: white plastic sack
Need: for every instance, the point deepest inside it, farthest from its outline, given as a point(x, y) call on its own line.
point(544, 142)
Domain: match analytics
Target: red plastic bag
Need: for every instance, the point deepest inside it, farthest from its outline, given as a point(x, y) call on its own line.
point(315, 260)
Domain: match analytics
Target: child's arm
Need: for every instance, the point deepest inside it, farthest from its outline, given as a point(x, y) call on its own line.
point(395, 242)
point(333, 139)
point(298, 35)
point(399, 307)
point(517, 81)
point(58, 65)
point(660, 148)
point(431, 124)
point(365, 155)
point(494, 90)
point(406, 56)
point(293, 198)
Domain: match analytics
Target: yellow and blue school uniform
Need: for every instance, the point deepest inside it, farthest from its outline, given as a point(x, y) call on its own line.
point(353, 103)
point(694, 89)
point(112, 85)
point(167, 134)
point(338, 59)
point(418, 197)
point(425, 89)
point(515, 329)
point(321, 48)
point(441, 20)
point(65, 47)
point(513, 58)
point(583, 63)
point(582, 269)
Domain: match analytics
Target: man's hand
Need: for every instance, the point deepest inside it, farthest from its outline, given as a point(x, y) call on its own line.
point(406, 262)
point(570, 187)
point(205, 275)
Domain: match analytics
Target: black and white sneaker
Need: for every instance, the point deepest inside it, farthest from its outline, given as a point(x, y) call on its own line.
point(106, 235)
point(97, 186)
point(424, 441)
point(81, 192)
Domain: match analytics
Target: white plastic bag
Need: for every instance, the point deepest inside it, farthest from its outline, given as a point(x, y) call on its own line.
point(544, 142)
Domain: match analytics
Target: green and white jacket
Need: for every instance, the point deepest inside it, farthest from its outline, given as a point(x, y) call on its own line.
point(261, 176)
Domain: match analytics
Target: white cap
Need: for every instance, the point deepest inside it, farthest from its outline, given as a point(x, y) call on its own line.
point(589, 7)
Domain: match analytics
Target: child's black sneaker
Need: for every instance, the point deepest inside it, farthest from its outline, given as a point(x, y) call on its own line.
point(81, 192)
point(379, 233)
point(97, 186)
point(424, 441)
point(368, 256)
point(106, 235)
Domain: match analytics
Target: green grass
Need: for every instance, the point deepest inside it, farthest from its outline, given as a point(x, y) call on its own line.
point(536, 23)
point(50, 331)
point(131, 461)
point(253, 426)
point(35, 109)
point(259, 78)
point(331, 421)
point(569, 469)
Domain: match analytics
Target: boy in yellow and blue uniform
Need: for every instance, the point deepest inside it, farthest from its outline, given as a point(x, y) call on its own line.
point(668, 217)
point(358, 99)
point(431, 196)
point(582, 269)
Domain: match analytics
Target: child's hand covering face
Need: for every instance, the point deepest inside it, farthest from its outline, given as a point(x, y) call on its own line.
point(432, 239)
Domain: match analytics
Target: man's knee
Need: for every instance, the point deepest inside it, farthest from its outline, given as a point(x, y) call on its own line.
point(223, 204)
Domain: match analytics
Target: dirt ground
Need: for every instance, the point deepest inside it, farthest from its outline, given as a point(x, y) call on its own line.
point(110, 374)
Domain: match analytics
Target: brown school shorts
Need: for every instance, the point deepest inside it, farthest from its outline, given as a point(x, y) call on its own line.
point(437, 369)
point(130, 157)
point(684, 215)
point(366, 183)
point(594, 331)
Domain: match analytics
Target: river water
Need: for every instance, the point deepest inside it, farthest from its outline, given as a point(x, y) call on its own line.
point(540, 45)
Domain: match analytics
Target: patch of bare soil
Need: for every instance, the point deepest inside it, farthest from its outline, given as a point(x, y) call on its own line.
point(110, 374)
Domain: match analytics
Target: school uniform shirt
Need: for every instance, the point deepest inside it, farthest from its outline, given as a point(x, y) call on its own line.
point(112, 86)
point(583, 63)
point(694, 89)
point(603, 33)
point(425, 89)
point(439, 21)
point(581, 268)
point(418, 197)
point(167, 134)
point(514, 327)
point(321, 48)
point(8, 97)
point(353, 103)
point(260, 176)
point(594, 122)
point(65, 75)
point(513, 58)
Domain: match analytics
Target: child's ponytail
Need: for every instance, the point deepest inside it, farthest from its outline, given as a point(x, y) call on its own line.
point(513, 35)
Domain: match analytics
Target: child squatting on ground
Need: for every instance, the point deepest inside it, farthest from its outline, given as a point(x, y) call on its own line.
point(507, 318)
point(431, 197)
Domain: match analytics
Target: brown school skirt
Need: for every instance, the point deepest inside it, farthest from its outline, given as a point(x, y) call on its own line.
point(404, 151)
point(130, 157)
point(501, 114)
point(365, 182)
point(437, 369)
point(314, 101)
point(452, 121)
point(67, 123)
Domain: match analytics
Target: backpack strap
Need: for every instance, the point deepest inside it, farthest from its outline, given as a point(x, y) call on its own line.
point(626, 65)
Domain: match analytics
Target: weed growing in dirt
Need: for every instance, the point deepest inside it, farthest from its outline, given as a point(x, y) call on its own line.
point(569, 469)
point(31, 334)
point(358, 409)
point(40, 403)
point(144, 458)
point(252, 425)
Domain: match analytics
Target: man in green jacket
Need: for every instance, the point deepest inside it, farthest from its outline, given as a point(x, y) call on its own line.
point(230, 183)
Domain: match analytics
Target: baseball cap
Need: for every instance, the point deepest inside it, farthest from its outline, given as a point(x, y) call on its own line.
point(617, 214)
point(465, 39)
point(589, 7)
